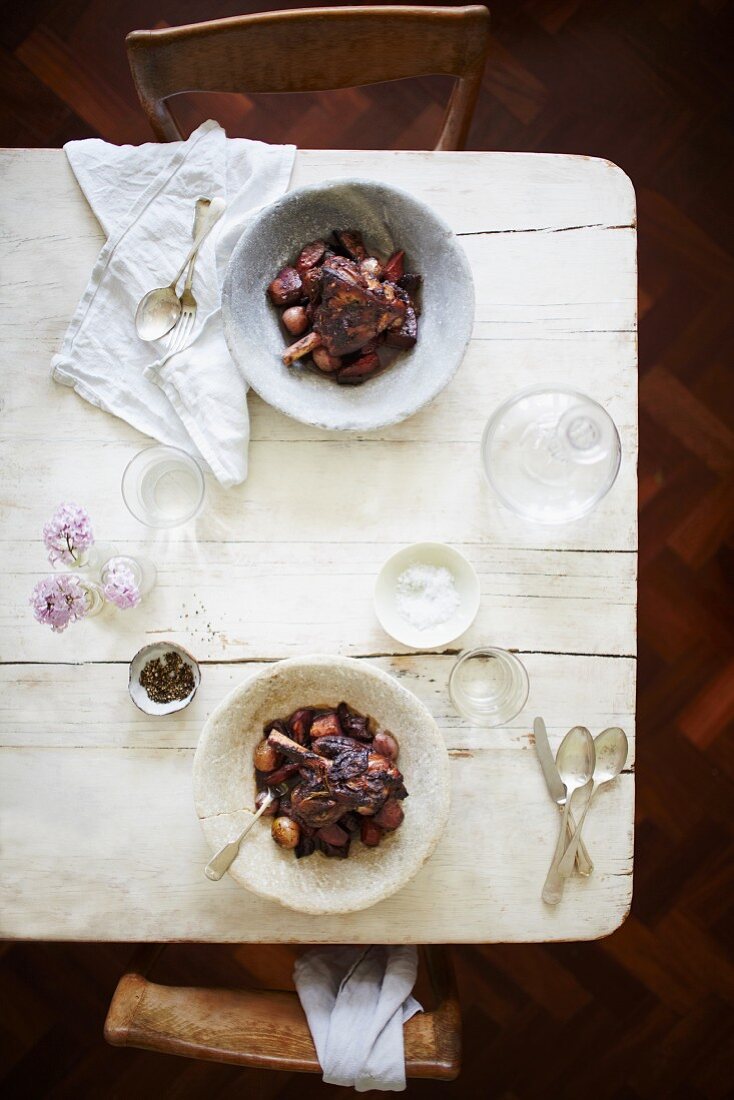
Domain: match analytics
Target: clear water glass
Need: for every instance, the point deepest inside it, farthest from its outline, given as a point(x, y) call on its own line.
point(488, 686)
point(163, 487)
point(551, 454)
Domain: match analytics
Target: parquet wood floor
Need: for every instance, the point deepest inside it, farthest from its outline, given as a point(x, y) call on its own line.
point(647, 1013)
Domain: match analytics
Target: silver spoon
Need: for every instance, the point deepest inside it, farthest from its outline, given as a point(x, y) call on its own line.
point(225, 857)
point(575, 763)
point(611, 755)
point(558, 792)
point(159, 309)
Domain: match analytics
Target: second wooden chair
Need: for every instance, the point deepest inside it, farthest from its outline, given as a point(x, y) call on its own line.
point(313, 49)
point(264, 1026)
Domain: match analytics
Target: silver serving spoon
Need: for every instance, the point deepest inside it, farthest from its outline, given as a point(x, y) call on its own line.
point(611, 755)
point(575, 763)
point(225, 857)
point(159, 310)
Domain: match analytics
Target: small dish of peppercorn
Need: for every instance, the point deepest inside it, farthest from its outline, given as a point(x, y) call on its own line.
point(163, 678)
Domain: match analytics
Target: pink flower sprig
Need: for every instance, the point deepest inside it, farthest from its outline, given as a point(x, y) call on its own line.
point(119, 585)
point(68, 534)
point(58, 601)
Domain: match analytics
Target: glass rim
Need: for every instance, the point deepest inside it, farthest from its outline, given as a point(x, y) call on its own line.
point(191, 463)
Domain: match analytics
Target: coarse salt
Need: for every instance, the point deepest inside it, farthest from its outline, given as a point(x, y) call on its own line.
point(426, 595)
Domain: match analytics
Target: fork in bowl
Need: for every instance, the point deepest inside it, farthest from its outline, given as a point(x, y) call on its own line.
point(226, 856)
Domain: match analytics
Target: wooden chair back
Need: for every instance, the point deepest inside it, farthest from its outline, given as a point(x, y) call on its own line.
point(267, 1028)
point(313, 49)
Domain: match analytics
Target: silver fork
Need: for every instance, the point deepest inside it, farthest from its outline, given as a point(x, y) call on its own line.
point(183, 328)
point(226, 856)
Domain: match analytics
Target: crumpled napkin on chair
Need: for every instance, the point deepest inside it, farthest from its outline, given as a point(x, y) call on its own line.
point(356, 1000)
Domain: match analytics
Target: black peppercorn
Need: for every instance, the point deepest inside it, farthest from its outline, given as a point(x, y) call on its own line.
point(167, 679)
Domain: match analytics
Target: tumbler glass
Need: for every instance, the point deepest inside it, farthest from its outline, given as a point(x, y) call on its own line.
point(163, 487)
point(489, 686)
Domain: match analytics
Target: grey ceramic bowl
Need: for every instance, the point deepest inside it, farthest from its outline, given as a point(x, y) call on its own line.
point(389, 218)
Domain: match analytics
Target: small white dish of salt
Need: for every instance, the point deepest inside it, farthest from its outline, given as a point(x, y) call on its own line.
point(426, 595)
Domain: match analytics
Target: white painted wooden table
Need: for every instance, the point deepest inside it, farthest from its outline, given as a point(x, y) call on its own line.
point(98, 835)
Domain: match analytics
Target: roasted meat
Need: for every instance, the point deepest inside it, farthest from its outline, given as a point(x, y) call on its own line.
point(349, 757)
point(345, 769)
point(310, 255)
point(395, 266)
point(403, 333)
point(411, 284)
point(285, 771)
point(312, 284)
point(372, 266)
point(299, 724)
point(369, 791)
point(406, 333)
point(350, 240)
point(360, 370)
point(313, 804)
point(350, 313)
point(348, 269)
point(297, 754)
point(325, 725)
point(335, 778)
point(370, 834)
point(348, 307)
point(353, 725)
point(390, 816)
point(286, 288)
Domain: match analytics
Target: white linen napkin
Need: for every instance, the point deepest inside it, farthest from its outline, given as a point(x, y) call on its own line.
point(144, 198)
point(356, 1000)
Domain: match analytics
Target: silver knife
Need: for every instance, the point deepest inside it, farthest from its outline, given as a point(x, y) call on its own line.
point(557, 789)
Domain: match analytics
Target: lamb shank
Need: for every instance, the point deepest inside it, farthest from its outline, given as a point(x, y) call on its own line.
point(347, 308)
point(342, 784)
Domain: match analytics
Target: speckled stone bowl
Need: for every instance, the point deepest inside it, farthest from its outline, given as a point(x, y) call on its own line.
point(224, 785)
point(389, 218)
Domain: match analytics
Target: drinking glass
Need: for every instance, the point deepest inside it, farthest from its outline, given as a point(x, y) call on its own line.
point(93, 595)
point(143, 571)
point(489, 686)
point(163, 487)
point(551, 454)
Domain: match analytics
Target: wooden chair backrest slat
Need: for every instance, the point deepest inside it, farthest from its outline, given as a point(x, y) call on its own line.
point(313, 49)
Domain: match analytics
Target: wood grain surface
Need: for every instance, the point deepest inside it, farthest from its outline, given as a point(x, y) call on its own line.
point(648, 86)
point(286, 565)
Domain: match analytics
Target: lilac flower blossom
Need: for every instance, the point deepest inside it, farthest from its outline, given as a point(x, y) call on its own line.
point(119, 585)
point(58, 601)
point(68, 534)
